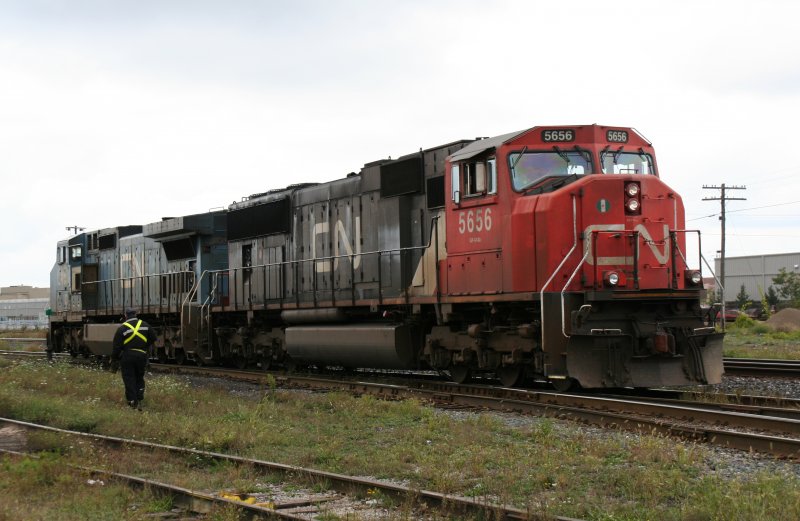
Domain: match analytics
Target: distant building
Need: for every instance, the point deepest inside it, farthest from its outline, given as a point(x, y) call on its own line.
point(755, 272)
point(24, 307)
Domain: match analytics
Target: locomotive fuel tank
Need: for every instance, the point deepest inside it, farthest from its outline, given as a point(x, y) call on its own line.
point(382, 346)
point(99, 338)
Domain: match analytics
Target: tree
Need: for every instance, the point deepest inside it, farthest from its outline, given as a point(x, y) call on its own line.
point(743, 299)
point(772, 296)
point(788, 283)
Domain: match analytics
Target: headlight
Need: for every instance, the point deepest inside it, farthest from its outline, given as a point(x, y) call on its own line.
point(694, 277)
point(612, 278)
point(632, 205)
point(632, 189)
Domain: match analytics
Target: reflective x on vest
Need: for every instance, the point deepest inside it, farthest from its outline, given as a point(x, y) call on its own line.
point(135, 332)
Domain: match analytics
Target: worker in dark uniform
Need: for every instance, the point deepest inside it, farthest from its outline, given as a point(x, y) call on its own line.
point(132, 343)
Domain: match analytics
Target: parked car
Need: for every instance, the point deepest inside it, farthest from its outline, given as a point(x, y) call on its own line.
point(756, 313)
point(731, 314)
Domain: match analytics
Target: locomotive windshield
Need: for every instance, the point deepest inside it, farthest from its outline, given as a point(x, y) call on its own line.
point(621, 161)
point(529, 167)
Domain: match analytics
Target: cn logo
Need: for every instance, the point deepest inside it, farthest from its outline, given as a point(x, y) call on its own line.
point(661, 255)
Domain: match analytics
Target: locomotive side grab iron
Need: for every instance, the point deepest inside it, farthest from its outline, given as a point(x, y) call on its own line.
point(555, 253)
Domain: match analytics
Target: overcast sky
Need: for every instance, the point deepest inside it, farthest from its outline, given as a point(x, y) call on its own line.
point(116, 113)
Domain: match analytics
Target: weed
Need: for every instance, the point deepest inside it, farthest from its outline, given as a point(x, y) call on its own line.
point(163, 503)
point(539, 463)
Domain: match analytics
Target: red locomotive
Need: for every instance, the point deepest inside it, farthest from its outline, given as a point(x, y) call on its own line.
point(582, 236)
point(554, 253)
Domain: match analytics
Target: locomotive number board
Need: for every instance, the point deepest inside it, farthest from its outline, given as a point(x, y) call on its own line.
point(616, 136)
point(550, 136)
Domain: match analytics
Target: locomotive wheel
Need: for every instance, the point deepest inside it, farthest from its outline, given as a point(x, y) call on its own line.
point(240, 362)
point(266, 361)
point(162, 356)
point(563, 385)
point(180, 357)
point(509, 375)
point(459, 373)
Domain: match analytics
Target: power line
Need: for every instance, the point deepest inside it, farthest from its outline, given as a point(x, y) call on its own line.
point(741, 209)
point(722, 198)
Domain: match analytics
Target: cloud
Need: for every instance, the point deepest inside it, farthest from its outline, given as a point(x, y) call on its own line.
point(192, 105)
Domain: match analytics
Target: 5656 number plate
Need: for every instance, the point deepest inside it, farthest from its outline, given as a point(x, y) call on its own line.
point(558, 135)
point(617, 136)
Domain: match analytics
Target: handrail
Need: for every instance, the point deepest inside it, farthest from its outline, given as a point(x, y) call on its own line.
point(205, 314)
point(189, 297)
point(433, 238)
point(567, 256)
point(106, 287)
point(722, 291)
point(564, 290)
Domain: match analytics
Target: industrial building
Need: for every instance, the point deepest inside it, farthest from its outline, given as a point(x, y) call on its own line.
point(24, 307)
point(755, 272)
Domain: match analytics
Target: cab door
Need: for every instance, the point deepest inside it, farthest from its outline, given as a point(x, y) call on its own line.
point(474, 252)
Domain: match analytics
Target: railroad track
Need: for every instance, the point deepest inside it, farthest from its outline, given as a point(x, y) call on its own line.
point(340, 488)
point(733, 366)
point(17, 343)
point(771, 426)
point(773, 429)
point(762, 367)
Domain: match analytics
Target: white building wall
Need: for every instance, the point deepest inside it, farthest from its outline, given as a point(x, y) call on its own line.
point(755, 272)
point(24, 307)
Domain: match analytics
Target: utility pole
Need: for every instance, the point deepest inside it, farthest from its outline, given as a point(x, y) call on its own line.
point(722, 198)
point(75, 229)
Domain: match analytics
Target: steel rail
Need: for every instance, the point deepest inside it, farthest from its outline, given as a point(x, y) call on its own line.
point(339, 482)
point(590, 409)
point(771, 419)
point(686, 422)
point(762, 367)
point(712, 397)
point(789, 410)
point(192, 500)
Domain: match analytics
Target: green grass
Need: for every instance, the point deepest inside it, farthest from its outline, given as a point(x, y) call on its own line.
point(543, 465)
point(751, 339)
point(46, 488)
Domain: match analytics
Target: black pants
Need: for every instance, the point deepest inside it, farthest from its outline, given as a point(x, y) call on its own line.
point(132, 365)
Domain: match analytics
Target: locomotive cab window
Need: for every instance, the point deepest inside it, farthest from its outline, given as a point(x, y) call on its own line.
point(621, 161)
point(529, 167)
point(455, 184)
point(474, 178)
point(479, 178)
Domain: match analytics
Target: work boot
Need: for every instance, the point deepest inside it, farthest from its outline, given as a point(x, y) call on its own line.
point(132, 404)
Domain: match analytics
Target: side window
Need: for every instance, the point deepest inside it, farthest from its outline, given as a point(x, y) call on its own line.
point(491, 176)
point(61, 254)
point(247, 262)
point(247, 255)
point(455, 183)
point(480, 177)
point(474, 178)
point(75, 253)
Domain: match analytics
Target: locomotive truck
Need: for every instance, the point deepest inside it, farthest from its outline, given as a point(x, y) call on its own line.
point(554, 253)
